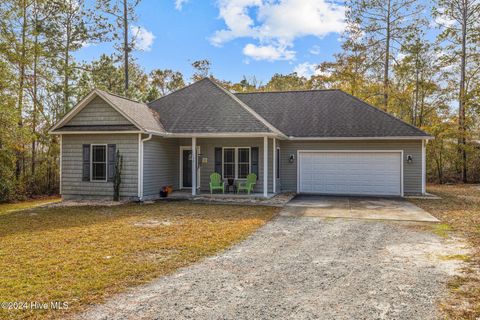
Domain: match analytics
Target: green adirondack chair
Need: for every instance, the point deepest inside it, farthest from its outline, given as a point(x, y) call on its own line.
point(248, 185)
point(216, 183)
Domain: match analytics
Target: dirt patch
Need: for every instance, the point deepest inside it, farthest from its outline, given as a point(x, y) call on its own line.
point(152, 223)
point(83, 203)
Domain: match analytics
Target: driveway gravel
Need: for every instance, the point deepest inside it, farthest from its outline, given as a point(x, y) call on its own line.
point(304, 268)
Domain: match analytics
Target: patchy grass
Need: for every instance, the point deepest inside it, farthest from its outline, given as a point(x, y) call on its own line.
point(461, 257)
point(459, 211)
point(442, 230)
point(15, 206)
point(81, 255)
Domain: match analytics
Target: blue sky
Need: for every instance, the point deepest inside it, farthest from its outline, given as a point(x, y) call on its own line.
point(240, 37)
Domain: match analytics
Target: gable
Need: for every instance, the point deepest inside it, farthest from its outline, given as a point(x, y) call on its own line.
point(98, 113)
point(203, 107)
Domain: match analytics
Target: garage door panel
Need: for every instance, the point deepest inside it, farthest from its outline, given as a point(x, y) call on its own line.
point(370, 173)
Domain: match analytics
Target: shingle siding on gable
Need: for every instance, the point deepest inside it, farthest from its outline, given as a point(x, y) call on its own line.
point(98, 112)
point(72, 185)
point(412, 174)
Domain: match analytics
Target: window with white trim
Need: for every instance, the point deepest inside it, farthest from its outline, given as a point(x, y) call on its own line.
point(236, 163)
point(99, 162)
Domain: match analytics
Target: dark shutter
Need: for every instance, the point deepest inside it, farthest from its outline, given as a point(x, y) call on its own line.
point(111, 162)
point(86, 163)
point(218, 160)
point(254, 168)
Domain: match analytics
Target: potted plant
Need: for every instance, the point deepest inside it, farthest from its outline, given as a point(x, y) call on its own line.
point(164, 192)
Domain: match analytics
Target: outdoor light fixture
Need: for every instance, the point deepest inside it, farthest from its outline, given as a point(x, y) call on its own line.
point(292, 158)
point(409, 158)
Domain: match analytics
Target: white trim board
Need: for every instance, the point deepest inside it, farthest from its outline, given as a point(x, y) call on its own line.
point(400, 152)
point(362, 138)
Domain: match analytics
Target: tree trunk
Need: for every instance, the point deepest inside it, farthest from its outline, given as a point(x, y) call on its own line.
point(417, 85)
point(461, 97)
point(386, 66)
point(35, 101)
point(21, 85)
point(125, 44)
point(66, 62)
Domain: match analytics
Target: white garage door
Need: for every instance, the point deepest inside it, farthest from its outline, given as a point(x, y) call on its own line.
point(351, 173)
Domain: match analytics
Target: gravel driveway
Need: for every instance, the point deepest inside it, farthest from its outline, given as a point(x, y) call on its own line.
point(304, 268)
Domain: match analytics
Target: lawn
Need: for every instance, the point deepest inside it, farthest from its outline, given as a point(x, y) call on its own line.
point(459, 211)
point(14, 206)
point(82, 255)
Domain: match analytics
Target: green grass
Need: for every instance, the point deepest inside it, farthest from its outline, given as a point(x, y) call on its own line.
point(81, 255)
point(15, 206)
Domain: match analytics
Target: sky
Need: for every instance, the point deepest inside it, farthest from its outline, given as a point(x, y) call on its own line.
point(240, 37)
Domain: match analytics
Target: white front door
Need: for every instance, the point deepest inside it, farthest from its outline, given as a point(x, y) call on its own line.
point(377, 173)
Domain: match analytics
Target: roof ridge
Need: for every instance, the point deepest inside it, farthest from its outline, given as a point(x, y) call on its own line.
point(382, 111)
point(178, 90)
point(287, 91)
point(119, 96)
point(248, 109)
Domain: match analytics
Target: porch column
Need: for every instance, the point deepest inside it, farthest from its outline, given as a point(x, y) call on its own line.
point(194, 166)
point(274, 157)
point(265, 167)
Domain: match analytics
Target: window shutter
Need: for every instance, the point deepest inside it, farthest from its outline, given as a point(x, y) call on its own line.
point(254, 169)
point(112, 157)
point(86, 163)
point(218, 160)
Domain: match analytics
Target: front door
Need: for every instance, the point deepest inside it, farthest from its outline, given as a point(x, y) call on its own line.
point(187, 168)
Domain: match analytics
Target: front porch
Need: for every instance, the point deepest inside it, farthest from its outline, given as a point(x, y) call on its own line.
point(231, 157)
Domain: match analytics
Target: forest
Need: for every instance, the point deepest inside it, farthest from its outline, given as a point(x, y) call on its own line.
point(387, 58)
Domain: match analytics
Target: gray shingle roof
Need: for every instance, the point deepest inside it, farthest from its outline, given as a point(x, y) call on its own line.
point(204, 107)
point(139, 112)
point(325, 113)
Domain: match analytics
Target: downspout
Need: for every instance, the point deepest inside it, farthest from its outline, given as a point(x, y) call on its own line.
point(140, 164)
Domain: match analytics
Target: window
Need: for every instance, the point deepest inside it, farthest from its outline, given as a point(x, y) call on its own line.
point(278, 163)
point(99, 163)
point(236, 163)
point(229, 163)
point(243, 163)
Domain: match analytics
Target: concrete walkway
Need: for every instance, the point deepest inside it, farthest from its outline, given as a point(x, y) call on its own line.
point(357, 208)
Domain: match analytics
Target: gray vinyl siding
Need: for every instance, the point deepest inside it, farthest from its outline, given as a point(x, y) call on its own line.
point(72, 185)
point(98, 112)
point(412, 172)
point(207, 149)
point(160, 165)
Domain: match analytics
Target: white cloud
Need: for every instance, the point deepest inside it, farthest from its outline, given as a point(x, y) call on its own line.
point(278, 23)
point(443, 21)
point(306, 69)
point(268, 52)
point(142, 38)
point(179, 4)
point(315, 50)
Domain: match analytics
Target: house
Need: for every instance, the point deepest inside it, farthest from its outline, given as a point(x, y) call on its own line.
point(318, 141)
